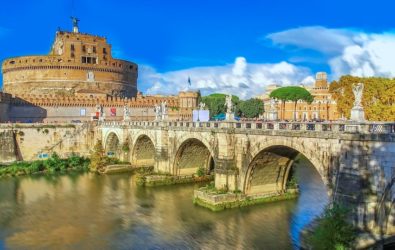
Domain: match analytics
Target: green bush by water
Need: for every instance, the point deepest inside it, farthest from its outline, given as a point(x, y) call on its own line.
point(51, 165)
point(333, 231)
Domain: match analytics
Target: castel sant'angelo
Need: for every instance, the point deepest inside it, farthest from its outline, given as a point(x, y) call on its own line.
point(78, 76)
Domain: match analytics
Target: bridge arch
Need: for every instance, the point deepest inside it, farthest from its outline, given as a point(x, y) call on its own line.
point(191, 154)
point(112, 144)
point(143, 151)
point(268, 170)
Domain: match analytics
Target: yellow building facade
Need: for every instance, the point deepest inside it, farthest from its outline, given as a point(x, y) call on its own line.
point(322, 108)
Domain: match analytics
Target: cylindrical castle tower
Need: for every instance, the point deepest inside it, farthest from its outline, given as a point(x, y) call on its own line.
point(77, 62)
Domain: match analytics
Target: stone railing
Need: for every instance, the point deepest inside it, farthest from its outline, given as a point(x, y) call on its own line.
point(346, 127)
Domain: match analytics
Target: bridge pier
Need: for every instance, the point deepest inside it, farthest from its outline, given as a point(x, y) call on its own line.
point(226, 176)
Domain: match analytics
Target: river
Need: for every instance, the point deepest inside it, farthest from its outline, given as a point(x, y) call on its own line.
point(88, 211)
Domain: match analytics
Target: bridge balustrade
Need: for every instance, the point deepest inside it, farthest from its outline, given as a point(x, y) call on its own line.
point(296, 126)
point(283, 126)
point(347, 127)
point(310, 126)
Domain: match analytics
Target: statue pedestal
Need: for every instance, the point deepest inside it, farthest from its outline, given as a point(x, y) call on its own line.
point(273, 115)
point(165, 117)
point(126, 118)
point(230, 117)
point(357, 114)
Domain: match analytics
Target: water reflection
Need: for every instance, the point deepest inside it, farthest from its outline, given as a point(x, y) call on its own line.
point(87, 211)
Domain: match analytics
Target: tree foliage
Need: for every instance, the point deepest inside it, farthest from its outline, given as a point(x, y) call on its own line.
point(216, 103)
point(250, 108)
point(53, 164)
point(378, 97)
point(333, 230)
point(291, 93)
point(98, 158)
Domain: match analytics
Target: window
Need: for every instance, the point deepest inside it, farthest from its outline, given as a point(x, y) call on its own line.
point(72, 54)
point(83, 48)
point(104, 51)
point(72, 47)
point(94, 49)
point(89, 59)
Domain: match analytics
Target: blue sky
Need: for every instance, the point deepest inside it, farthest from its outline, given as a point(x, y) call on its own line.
point(224, 46)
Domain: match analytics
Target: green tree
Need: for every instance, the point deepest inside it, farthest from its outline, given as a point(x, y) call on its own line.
point(333, 231)
point(216, 103)
point(291, 93)
point(98, 158)
point(299, 94)
point(251, 108)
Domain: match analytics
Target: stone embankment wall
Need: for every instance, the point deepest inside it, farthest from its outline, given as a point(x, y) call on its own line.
point(8, 149)
point(4, 106)
point(30, 140)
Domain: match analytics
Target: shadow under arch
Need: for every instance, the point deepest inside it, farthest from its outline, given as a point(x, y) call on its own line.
point(112, 145)
point(270, 170)
point(143, 151)
point(191, 155)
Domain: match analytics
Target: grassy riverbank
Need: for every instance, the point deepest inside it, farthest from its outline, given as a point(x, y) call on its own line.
point(53, 164)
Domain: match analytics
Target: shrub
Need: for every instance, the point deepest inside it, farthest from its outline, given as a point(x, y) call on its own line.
point(97, 156)
point(333, 230)
point(200, 172)
point(125, 146)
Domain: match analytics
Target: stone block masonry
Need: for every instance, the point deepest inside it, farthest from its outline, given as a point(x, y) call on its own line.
point(27, 141)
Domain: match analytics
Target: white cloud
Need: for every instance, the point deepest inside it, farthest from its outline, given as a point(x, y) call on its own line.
point(350, 52)
point(314, 37)
point(373, 57)
point(346, 51)
point(240, 78)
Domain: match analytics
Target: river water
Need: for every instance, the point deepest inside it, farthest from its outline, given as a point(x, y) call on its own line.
point(88, 211)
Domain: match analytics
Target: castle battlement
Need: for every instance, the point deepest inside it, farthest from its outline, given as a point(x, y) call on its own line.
point(58, 62)
point(59, 101)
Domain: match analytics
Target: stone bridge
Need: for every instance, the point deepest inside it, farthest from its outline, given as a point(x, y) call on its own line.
point(355, 161)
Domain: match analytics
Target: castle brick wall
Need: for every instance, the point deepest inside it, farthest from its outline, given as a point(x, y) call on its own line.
point(33, 114)
point(51, 75)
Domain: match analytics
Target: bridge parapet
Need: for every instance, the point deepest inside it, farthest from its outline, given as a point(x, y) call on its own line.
point(346, 127)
